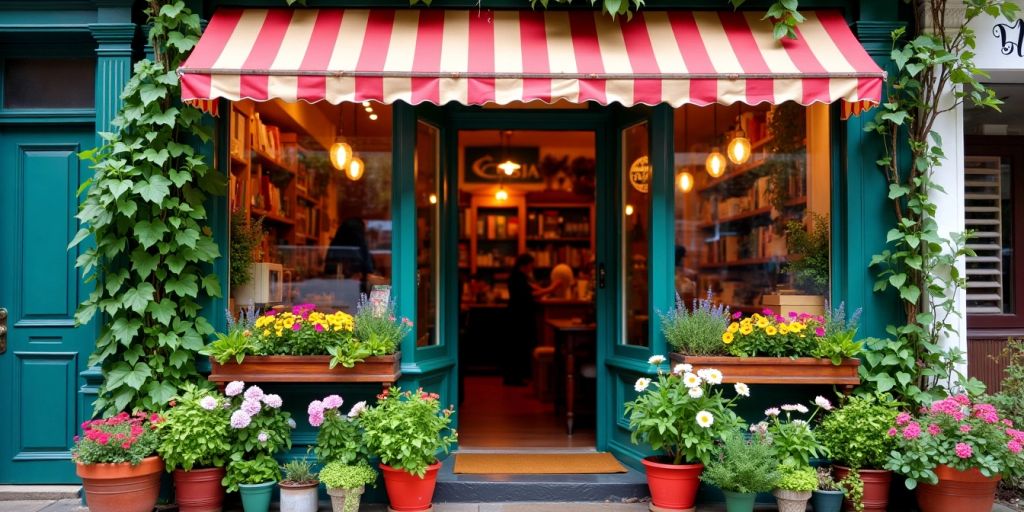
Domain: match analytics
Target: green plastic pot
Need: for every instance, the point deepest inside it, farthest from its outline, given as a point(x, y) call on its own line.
point(256, 497)
point(739, 501)
point(827, 501)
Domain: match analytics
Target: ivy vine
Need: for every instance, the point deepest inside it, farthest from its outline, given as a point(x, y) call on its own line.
point(935, 75)
point(144, 217)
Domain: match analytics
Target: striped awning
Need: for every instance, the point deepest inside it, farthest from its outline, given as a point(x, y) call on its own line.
point(475, 57)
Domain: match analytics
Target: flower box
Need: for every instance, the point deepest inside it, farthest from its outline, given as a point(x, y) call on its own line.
point(778, 370)
point(383, 369)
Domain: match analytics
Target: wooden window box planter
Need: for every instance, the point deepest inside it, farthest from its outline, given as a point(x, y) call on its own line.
point(778, 370)
point(383, 369)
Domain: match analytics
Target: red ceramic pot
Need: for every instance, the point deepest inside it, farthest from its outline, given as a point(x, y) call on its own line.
point(876, 488)
point(199, 490)
point(957, 491)
point(673, 486)
point(408, 492)
point(121, 487)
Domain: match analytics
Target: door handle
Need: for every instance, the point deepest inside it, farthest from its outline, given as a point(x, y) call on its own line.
point(602, 274)
point(3, 330)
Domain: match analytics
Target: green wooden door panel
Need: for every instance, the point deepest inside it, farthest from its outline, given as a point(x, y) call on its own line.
point(40, 371)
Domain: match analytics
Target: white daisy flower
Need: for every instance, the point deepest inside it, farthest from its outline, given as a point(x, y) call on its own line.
point(691, 380)
point(705, 419)
point(682, 368)
point(703, 373)
point(656, 360)
point(742, 389)
point(641, 384)
point(789, 407)
point(802, 409)
point(696, 392)
point(714, 377)
point(772, 411)
point(823, 402)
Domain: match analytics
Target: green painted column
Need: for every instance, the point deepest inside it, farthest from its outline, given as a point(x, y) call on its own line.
point(113, 68)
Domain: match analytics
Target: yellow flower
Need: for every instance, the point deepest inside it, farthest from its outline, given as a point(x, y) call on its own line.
point(762, 323)
point(796, 326)
point(783, 329)
point(746, 321)
point(733, 327)
point(746, 329)
point(770, 330)
point(727, 338)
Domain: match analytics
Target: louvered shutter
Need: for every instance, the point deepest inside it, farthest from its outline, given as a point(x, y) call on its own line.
point(983, 215)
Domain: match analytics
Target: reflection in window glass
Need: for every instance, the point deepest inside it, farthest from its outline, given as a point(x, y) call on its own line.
point(325, 232)
point(428, 235)
point(755, 234)
point(49, 83)
point(636, 211)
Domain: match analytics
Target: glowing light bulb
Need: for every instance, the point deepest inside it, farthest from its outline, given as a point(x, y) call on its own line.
point(509, 167)
point(373, 117)
point(715, 164)
point(366, 103)
point(739, 149)
point(355, 169)
point(341, 154)
point(501, 194)
point(368, 109)
point(432, 198)
point(685, 181)
point(629, 210)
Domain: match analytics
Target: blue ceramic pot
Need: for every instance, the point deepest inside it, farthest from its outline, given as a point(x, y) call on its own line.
point(256, 497)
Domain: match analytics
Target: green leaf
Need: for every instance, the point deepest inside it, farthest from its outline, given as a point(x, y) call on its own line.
point(149, 232)
point(138, 298)
point(183, 286)
point(162, 311)
point(897, 280)
point(138, 376)
point(161, 392)
point(155, 189)
point(211, 285)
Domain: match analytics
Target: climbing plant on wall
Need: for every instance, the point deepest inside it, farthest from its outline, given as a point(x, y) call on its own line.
point(935, 74)
point(148, 243)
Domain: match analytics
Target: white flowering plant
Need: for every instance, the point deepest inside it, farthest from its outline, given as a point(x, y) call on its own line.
point(790, 429)
point(683, 413)
point(340, 438)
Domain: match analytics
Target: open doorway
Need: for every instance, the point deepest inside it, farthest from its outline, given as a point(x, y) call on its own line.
point(527, 241)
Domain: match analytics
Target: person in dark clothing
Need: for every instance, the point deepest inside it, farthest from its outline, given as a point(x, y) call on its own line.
point(522, 320)
point(349, 254)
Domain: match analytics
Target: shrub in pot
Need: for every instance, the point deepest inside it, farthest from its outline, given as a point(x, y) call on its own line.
point(696, 331)
point(794, 487)
point(407, 430)
point(955, 452)
point(195, 443)
point(682, 415)
point(828, 497)
point(741, 469)
point(340, 437)
point(299, 487)
point(117, 462)
point(345, 484)
point(254, 479)
point(790, 428)
point(856, 437)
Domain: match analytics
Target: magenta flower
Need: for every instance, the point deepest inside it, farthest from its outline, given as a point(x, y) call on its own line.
point(964, 451)
point(892, 432)
point(1014, 446)
point(318, 328)
point(912, 431)
point(737, 315)
point(792, 314)
point(819, 332)
point(965, 428)
point(270, 312)
point(962, 399)
point(903, 418)
point(297, 326)
point(768, 312)
point(934, 429)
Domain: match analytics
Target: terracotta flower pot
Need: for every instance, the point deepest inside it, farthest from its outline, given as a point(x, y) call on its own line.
point(121, 487)
point(791, 501)
point(346, 500)
point(299, 497)
point(957, 491)
point(876, 488)
point(408, 492)
point(673, 486)
point(199, 490)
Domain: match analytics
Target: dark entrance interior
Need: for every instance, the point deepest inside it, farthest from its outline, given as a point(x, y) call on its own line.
point(526, 250)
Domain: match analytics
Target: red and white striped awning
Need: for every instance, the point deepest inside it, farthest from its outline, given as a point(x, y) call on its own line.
point(475, 57)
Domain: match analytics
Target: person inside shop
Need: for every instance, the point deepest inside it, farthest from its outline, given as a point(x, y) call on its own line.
point(523, 293)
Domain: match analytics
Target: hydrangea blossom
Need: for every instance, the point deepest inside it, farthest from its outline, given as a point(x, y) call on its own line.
point(316, 406)
point(234, 388)
point(934, 429)
point(251, 407)
point(332, 402)
point(263, 437)
point(254, 393)
point(272, 401)
point(316, 418)
point(208, 402)
point(239, 419)
point(912, 430)
point(357, 409)
point(292, 424)
point(964, 450)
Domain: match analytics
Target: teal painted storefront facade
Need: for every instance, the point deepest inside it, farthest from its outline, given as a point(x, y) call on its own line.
point(44, 368)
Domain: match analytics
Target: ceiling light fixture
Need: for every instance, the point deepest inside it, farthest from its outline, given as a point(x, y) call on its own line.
point(715, 163)
point(341, 155)
point(739, 147)
point(501, 194)
point(685, 181)
point(355, 169)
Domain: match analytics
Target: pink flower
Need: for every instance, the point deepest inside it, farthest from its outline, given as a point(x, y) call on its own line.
point(964, 451)
point(962, 399)
point(819, 332)
point(1017, 435)
point(239, 419)
point(934, 429)
point(903, 418)
point(297, 326)
point(912, 431)
point(272, 400)
point(965, 428)
point(316, 418)
point(792, 314)
point(254, 393)
point(234, 388)
point(270, 312)
point(986, 413)
point(1008, 422)
point(315, 407)
point(1014, 446)
point(208, 402)
point(318, 328)
point(263, 437)
point(332, 402)
point(768, 312)
point(737, 315)
point(251, 407)
point(126, 445)
point(892, 432)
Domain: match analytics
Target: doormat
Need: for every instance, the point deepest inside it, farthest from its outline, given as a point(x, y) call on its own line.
point(536, 463)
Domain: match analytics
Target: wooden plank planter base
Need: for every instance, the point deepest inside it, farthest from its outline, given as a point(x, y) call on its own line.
point(778, 370)
point(382, 369)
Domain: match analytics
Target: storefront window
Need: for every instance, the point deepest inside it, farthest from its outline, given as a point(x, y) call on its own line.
point(752, 206)
point(49, 83)
point(428, 233)
point(636, 214)
point(310, 193)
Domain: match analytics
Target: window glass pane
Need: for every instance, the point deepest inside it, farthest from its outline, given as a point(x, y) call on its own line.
point(428, 235)
point(49, 83)
point(324, 234)
point(636, 211)
point(752, 227)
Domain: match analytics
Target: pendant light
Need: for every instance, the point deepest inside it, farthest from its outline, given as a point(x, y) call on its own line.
point(685, 179)
point(716, 162)
point(508, 166)
point(739, 146)
point(501, 194)
point(355, 169)
point(341, 155)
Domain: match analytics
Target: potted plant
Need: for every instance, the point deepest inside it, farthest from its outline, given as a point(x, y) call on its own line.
point(828, 497)
point(954, 453)
point(246, 238)
point(741, 469)
point(793, 438)
point(682, 415)
point(260, 429)
point(809, 239)
point(856, 436)
point(794, 487)
point(117, 462)
point(254, 479)
point(406, 431)
point(340, 437)
point(345, 484)
point(696, 331)
point(195, 443)
point(299, 486)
